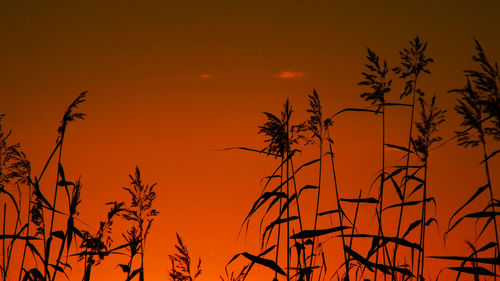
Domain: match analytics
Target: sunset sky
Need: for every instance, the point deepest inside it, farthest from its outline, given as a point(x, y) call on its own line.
point(172, 83)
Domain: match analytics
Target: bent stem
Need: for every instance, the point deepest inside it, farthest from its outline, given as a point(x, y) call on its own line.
point(339, 208)
point(381, 191)
point(492, 201)
point(405, 179)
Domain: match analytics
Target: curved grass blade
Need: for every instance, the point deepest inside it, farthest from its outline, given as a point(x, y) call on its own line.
point(476, 215)
point(259, 260)
point(479, 270)
point(134, 273)
point(315, 233)
point(404, 149)
point(396, 240)
point(354, 110)
point(328, 212)
point(491, 155)
point(33, 275)
point(307, 187)
point(417, 188)
point(476, 194)
point(411, 203)
point(15, 236)
point(369, 200)
point(469, 259)
point(271, 226)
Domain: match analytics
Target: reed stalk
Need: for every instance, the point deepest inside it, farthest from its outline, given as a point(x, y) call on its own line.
point(375, 78)
point(413, 63)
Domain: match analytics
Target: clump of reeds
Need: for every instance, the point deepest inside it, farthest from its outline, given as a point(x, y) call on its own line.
point(14, 172)
point(47, 244)
point(478, 104)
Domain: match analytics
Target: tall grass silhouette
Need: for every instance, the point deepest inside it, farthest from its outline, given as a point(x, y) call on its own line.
point(376, 78)
point(478, 103)
point(45, 250)
point(413, 63)
point(409, 183)
point(40, 219)
point(427, 127)
point(141, 213)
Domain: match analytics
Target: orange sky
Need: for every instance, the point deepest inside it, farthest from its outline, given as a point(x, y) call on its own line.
point(172, 82)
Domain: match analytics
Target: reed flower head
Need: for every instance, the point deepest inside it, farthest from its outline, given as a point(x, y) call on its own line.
point(430, 118)
point(413, 62)
point(281, 135)
point(375, 77)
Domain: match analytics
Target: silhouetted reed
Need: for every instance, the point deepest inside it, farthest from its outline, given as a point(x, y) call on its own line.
point(413, 63)
point(181, 264)
point(376, 78)
point(141, 213)
point(97, 246)
point(427, 127)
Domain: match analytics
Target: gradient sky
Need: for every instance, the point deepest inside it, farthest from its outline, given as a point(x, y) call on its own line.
point(172, 82)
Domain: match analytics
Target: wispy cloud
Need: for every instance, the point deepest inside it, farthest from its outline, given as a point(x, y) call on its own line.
point(287, 74)
point(194, 76)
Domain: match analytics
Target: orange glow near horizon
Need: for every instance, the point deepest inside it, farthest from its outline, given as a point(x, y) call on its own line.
point(173, 83)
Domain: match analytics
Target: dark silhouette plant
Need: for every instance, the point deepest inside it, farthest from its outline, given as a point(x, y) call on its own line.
point(379, 84)
point(141, 213)
point(414, 62)
point(182, 269)
point(478, 104)
point(427, 127)
point(97, 246)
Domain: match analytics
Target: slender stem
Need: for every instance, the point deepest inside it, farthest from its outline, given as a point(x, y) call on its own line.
point(382, 180)
point(4, 273)
point(57, 186)
point(355, 219)
point(420, 265)
point(317, 200)
point(11, 244)
point(44, 236)
point(405, 181)
point(27, 232)
point(339, 208)
point(59, 256)
point(298, 210)
point(54, 208)
point(279, 214)
point(296, 192)
point(288, 207)
point(88, 268)
point(59, 143)
point(130, 266)
point(142, 235)
point(492, 201)
point(352, 234)
point(143, 238)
